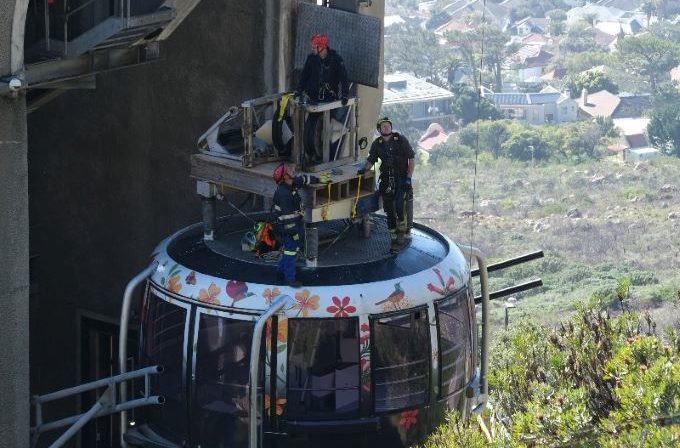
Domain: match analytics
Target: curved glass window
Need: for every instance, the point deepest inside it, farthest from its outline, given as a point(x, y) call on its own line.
point(221, 369)
point(323, 368)
point(400, 354)
point(455, 348)
point(163, 342)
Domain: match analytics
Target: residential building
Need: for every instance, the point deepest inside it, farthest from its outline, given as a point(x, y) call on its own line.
point(607, 104)
point(547, 106)
point(426, 102)
point(529, 61)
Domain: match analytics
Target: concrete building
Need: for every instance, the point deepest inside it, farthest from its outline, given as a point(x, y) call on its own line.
point(109, 159)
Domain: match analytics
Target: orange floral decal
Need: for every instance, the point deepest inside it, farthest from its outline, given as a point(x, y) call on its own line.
point(270, 294)
point(341, 308)
point(209, 296)
point(280, 403)
point(408, 419)
point(174, 284)
point(305, 302)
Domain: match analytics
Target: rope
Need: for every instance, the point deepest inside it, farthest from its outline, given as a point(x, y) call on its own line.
point(353, 215)
point(479, 98)
point(324, 210)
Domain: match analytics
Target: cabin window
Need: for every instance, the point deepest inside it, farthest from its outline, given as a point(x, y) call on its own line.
point(400, 356)
point(221, 370)
point(323, 368)
point(454, 342)
point(163, 342)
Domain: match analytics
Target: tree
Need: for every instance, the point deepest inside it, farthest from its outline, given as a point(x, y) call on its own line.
point(579, 38)
point(558, 19)
point(648, 56)
point(664, 129)
point(580, 62)
point(592, 81)
point(469, 106)
point(538, 8)
point(485, 45)
point(414, 50)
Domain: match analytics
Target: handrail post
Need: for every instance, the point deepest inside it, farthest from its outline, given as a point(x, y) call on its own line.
point(275, 307)
point(484, 282)
point(122, 337)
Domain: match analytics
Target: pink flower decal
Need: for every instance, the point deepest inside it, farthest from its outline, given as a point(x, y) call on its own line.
point(341, 308)
point(237, 291)
point(446, 287)
point(191, 278)
point(408, 419)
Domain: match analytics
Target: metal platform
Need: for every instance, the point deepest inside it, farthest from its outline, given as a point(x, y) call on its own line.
point(345, 255)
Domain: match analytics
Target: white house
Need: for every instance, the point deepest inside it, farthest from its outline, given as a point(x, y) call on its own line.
point(547, 106)
point(426, 102)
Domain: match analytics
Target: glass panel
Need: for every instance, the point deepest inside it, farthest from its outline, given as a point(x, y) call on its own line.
point(163, 343)
point(323, 368)
point(454, 342)
point(220, 405)
point(401, 355)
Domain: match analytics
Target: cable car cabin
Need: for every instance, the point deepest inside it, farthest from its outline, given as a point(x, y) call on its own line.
point(371, 351)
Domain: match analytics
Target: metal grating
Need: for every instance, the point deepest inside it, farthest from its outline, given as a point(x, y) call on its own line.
point(355, 37)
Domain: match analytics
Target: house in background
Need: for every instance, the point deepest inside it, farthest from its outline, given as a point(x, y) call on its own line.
point(433, 136)
point(606, 104)
point(547, 106)
point(426, 102)
point(633, 139)
point(529, 61)
point(529, 25)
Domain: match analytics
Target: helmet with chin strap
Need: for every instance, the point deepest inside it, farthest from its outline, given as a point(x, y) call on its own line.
point(381, 121)
point(279, 173)
point(319, 40)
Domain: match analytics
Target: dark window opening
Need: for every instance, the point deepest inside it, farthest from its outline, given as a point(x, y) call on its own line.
point(220, 405)
point(323, 368)
point(163, 343)
point(401, 360)
point(455, 348)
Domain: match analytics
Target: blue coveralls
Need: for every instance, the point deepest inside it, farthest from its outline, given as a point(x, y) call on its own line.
point(290, 225)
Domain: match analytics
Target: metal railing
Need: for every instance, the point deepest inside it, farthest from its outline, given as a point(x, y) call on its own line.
point(107, 403)
point(123, 13)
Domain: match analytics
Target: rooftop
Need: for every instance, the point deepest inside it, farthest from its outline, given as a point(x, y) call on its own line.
point(406, 88)
point(345, 256)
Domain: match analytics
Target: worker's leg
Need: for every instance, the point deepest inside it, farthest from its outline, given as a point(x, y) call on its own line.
point(399, 211)
point(287, 260)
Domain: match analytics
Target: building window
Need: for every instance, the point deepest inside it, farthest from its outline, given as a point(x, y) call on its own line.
point(221, 372)
point(163, 342)
point(323, 368)
point(400, 354)
point(455, 342)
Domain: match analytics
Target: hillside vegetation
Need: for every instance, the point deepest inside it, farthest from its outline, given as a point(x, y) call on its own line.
point(598, 222)
point(592, 381)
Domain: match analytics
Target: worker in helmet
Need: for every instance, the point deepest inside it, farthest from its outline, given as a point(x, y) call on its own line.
point(290, 213)
point(324, 77)
point(396, 169)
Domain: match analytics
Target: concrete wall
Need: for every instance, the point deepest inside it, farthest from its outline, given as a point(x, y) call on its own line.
point(14, 278)
point(109, 172)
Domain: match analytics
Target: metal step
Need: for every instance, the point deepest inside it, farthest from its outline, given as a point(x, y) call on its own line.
point(114, 32)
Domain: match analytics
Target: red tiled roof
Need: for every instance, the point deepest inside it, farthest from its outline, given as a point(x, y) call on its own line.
point(434, 136)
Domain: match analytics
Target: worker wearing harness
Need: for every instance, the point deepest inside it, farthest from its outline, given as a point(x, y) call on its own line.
point(396, 168)
point(290, 213)
point(324, 77)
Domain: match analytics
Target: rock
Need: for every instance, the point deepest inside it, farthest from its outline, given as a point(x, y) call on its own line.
point(635, 199)
point(598, 179)
point(664, 205)
point(667, 188)
point(468, 213)
point(516, 183)
point(673, 215)
point(574, 213)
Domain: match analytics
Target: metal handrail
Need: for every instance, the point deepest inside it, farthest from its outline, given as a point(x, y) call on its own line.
point(106, 404)
point(470, 251)
point(275, 307)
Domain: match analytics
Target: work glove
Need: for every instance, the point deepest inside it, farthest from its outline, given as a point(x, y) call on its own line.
point(343, 101)
point(407, 184)
point(360, 172)
point(325, 178)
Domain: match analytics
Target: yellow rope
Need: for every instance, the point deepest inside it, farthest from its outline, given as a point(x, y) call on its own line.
point(356, 201)
point(324, 210)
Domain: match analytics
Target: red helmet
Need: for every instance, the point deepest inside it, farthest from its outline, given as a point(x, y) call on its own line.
point(319, 40)
point(279, 173)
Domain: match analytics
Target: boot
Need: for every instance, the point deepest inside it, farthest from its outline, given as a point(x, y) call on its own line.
point(395, 246)
point(294, 283)
point(400, 238)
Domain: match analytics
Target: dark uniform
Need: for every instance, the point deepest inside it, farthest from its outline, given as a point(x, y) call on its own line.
point(324, 80)
point(394, 155)
point(289, 211)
